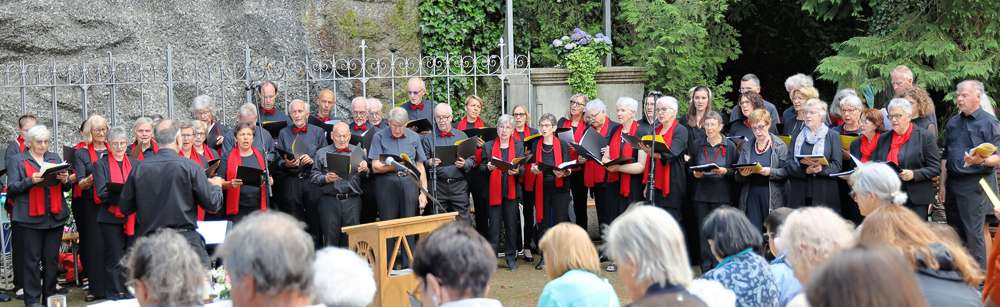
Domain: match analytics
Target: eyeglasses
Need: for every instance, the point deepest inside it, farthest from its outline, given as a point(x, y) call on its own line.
point(760, 127)
point(519, 114)
point(576, 104)
point(545, 125)
point(895, 116)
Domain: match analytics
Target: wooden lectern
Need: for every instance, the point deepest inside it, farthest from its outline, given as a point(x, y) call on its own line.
point(369, 241)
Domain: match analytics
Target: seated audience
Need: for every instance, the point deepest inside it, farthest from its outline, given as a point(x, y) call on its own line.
point(875, 185)
point(809, 237)
point(342, 279)
point(269, 259)
point(864, 277)
point(163, 270)
point(573, 265)
point(784, 277)
point(947, 275)
point(732, 240)
point(454, 265)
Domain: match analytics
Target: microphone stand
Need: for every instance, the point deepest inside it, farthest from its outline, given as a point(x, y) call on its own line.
point(651, 187)
point(416, 179)
point(434, 168)
point(260, 139)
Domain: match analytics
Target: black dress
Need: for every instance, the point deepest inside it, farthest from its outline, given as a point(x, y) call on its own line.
point(815, 189)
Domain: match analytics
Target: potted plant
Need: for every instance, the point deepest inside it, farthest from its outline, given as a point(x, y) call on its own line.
point(581, 54)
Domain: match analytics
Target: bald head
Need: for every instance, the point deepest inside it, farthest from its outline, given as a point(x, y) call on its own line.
point(340, 135)
point(325, 100)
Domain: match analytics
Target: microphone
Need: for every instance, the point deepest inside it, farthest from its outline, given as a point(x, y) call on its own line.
point(399, 166)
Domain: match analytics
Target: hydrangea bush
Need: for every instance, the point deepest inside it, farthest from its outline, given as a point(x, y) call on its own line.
point(581, 54)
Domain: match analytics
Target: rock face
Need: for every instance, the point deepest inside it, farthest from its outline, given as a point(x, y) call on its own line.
point(76, 41)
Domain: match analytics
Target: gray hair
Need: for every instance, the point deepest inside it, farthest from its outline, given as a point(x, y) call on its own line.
point(819, 105)
point(838, 99)
point(714, 116)
point(303, 102)
point(628, 103)
point(374, 102)
point(197, 124)
point(247, 109)
point(596, 105)
point(668, 101)
point(184, 124)
point(548, 117)
point(116, 133)
point(342, 278)
point(360, 100)
point(166, 132)
point(902, 71)
point(398, 115)
point(505, 119)
point(851, 101)
point(900, 103)
point(272, 249)
point(811, 235)
point(37, 132)
point(168, 267)
point(984, 100)
point(202, 102)
point(142, 121)
point(879, 180)
point(751, 77)
point(650, 239)
point(797, 81)
point(442, 107)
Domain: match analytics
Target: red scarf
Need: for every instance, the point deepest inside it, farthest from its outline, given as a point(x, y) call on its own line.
point(93, 161)
point(464, 124)
point(868, 147)
point(77, 192)
point(208, 153)
point(139, 155)
point(495, 175)
point(233, 194)
point(539, 183)
point(119, 174)
point(193, 155)
point(593, 172)
point(616, 150)
point(897, 142)
point(20, 144)
point(578, 131)
point(662, 169)
point(36, 195)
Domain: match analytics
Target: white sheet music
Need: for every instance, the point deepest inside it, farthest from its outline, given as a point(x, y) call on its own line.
point(214, 232)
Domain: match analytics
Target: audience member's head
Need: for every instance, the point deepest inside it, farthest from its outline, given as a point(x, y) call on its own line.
point(811, 235)
point(566, 247)
point(899, 228)
point(874, 185)
point(164, 270)
point(453, 263)
point(772, 225)
point(648, 246)
point(342, 278)
point(862, 277)
point(729, 232)
point(269, 259)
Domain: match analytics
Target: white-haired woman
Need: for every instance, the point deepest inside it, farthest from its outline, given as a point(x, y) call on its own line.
point(504, 190)
point(116, 229)
point(669, 170)
point(791, 117)
point(850, 111)
point(86, 208)
point(203, 109)
point(342, 278)
point(914, 150)
point(623, 179)
point(836, 116)
point(875, 185)
point(809, 237)
point(39, 213)
point(647, 244)
point(809, 181)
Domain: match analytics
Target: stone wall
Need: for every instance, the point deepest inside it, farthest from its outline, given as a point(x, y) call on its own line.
point(61, 32)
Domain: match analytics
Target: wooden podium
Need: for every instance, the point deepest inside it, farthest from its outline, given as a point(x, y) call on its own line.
point(369, 241)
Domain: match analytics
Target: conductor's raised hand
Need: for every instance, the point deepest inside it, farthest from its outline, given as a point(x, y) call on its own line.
point(235, 183)
point(216, 181)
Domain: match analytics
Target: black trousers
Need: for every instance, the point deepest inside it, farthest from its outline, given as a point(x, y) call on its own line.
point(369, 208)
point(505, 214)
point(41, 246)
point(966, 208)
point(335, 214)
point(454, 197)
point(605, 201)
point(479, 188)
point(300, 196)
point(579, 195)
point(555, 208)
point(91, 243)
point(397, 197)
point(529, 227)
point(115, 245)
point(16, 252)
point(703, 252)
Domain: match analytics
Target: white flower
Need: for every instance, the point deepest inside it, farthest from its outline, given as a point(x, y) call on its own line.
point(564, 38)
point(557, 43)
point(570, 46)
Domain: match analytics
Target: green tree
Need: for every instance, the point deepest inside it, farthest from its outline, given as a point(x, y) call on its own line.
point(681, 44)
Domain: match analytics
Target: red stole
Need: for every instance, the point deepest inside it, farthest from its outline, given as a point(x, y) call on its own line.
point(20, 144)
point(496, 175)
point(868, 147)
point(208, 153)
point(233, 194)
point(539, 182)
point(578, 131)
point(617, 150)
point(139, 154)
point(193, 155)
point(593, 172)
point(897, 142)
point(663, 169)
point(118, 174)
point(520, 136)
point(464, 124)
point(93, 161)
point(36, 195)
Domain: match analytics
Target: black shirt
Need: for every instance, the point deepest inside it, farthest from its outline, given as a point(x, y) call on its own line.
point(163, 190)
point(964, 132)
